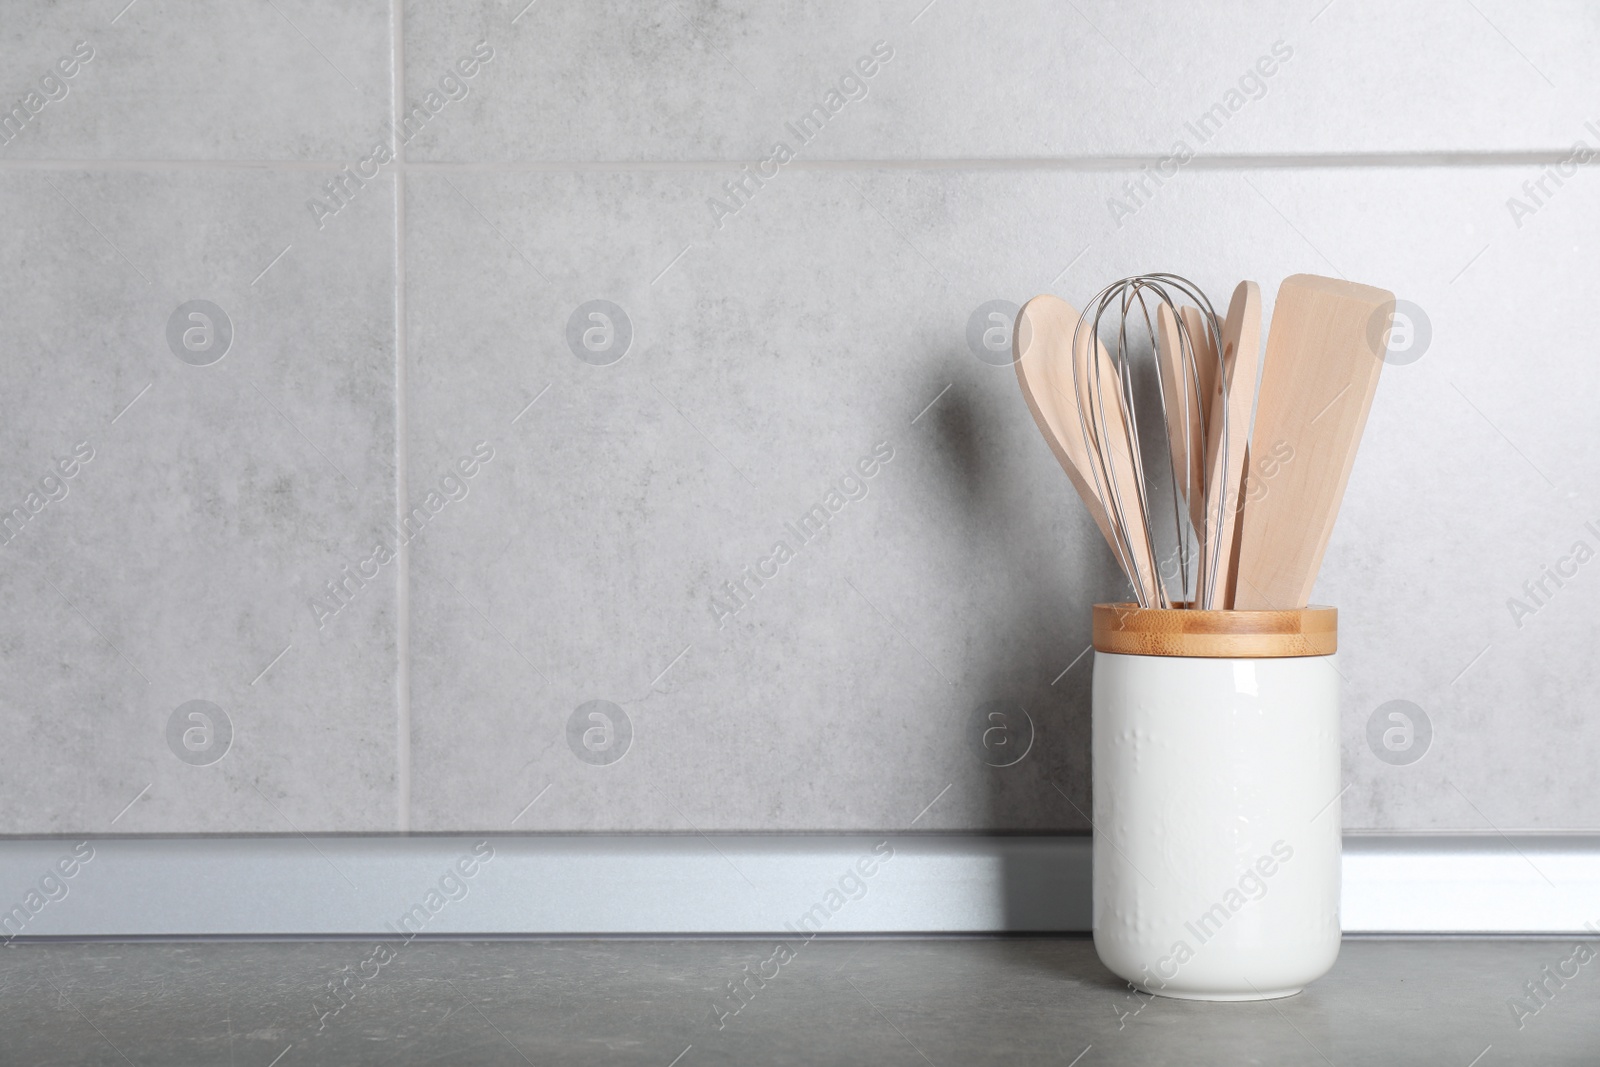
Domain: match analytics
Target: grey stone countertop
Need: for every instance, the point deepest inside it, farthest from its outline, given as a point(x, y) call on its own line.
point(667, 1003)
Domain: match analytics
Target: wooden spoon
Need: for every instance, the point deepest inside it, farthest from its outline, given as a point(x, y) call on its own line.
point(1041, 341)
point(1043, 345)
point(1316, 389)
point(1100, 399)
point(1182, 397)
point(1205, 356)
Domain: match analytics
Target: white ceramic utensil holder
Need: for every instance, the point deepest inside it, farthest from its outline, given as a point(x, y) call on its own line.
point(1216, 799)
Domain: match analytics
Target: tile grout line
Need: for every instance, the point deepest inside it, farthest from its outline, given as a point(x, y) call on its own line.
point(1062, 164)
point(401, 424)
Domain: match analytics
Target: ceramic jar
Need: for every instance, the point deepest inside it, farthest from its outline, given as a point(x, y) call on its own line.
point(1216, 799)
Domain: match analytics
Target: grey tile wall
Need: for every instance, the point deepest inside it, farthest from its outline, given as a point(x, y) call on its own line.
point(230, 465)
point(608, 399)
point(693, 81)
point(204, 82)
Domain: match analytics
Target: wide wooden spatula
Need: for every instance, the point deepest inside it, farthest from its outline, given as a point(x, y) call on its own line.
point(1321, 370)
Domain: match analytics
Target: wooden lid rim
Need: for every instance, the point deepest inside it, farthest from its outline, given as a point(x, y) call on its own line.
point(1127, 629)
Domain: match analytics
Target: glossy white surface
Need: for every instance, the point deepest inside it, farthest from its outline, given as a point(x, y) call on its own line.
point(1216, 813)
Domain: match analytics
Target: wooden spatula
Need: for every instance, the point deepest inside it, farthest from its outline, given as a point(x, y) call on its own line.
point(1241, 355)
point(1320, 375)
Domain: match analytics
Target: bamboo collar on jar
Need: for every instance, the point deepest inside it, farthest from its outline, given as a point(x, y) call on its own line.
point(1128, 629)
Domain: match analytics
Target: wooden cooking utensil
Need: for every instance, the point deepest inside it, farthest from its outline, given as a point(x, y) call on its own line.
point(1205, 354)
point(1182, 400)
point(1043, 345)
point(1100, 399)
point(1317, 386)
point(1241, 355)
point(1042, 342)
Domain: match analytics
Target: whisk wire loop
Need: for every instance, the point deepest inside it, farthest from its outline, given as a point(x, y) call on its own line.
point(1104, 392)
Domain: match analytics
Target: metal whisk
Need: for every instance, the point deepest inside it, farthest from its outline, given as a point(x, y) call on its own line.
point(1185, 338)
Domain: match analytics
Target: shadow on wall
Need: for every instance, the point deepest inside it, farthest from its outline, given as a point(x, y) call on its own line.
point(1027, 675)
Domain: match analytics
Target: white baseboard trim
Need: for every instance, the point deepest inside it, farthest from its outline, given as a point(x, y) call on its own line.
point(725, 884)
point(1471, 884)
